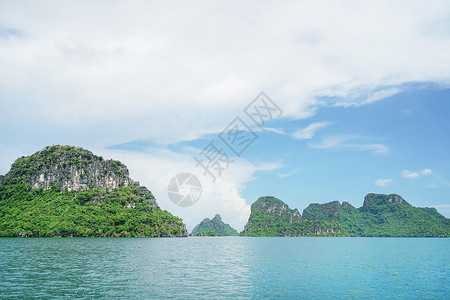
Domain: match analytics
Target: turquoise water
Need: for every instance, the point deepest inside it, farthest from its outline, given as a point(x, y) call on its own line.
point(226, 267)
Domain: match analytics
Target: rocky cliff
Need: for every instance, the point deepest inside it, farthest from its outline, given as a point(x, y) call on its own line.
point(70, 167)
point(272, 217)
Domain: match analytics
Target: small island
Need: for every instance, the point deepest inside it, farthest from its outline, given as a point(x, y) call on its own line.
point(214, 227)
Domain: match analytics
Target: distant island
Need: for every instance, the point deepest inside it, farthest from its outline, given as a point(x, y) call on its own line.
point(272, 217)
point(380, 216)
point(69, 191)
point(214, 227)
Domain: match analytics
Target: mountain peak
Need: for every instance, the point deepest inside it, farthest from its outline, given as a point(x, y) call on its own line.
point(274, 206)
point(214, 226)
point(381, 215)
point(272, 217)
point(376, 199)
point(69, 167)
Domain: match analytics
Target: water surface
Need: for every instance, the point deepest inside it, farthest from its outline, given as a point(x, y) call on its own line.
point(225, 267)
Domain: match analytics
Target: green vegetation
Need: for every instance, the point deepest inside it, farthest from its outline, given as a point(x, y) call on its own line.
point(49, 156)
point(61, 158)
point(382, 215)
point(209, 233)
point(46, 213)
point(272, 217)
point(98, 210)
point(214, 227)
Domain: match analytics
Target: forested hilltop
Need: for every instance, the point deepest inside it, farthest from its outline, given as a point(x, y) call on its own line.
point(213, 227)
point(272, 217)
point(69, 191)
point(382, 215)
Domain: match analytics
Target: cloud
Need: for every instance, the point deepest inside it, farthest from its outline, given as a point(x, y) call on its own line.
point(8, 32)
point(155, 168)
point(346, 142)
point(371, 97)
point(101, 73)
point(426, 172)
point(310, 131)
point(383, 182)
point(269, 129)
point(176, 73)
point(284, 175)
point(411, 174)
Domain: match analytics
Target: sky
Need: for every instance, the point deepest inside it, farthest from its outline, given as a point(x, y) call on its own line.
point(362, 91)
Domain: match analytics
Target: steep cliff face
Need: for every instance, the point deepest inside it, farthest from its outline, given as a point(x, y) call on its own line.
point(69, 167)
point(68, 191)
point(272, 217)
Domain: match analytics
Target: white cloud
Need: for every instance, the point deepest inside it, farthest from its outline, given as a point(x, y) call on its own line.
point(105, 73)
point(346, 142)
point(154, 170)
point(310, 131)
point(174, 72)
point(411, 174)
point(371, 97)
point(287, 174)
point(383, 182)
point(269, 129)
point(426, 172)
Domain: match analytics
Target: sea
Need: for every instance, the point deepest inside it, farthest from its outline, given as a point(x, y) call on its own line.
point(225, 268)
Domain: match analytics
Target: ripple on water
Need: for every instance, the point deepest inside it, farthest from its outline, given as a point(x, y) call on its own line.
point(234, 267)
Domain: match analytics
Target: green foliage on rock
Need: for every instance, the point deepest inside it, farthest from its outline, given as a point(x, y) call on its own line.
point(272, 217)
point(214, 227)
point(382, 215)
point(94, 213)
point(72, 167)
point(68, 191)
point(209, 233)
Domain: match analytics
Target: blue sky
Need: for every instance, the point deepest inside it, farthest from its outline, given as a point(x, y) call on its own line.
point(363, 86)
point(412, 129)
point(396, 145)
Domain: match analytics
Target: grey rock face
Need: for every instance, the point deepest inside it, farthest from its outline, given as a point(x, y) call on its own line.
point(69, 167)
point(371, 198)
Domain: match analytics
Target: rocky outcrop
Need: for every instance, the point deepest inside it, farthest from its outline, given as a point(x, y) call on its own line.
point(377, 199)
point(326, 212)
point(214, 226)
point(71, 168)
point(272, 217)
